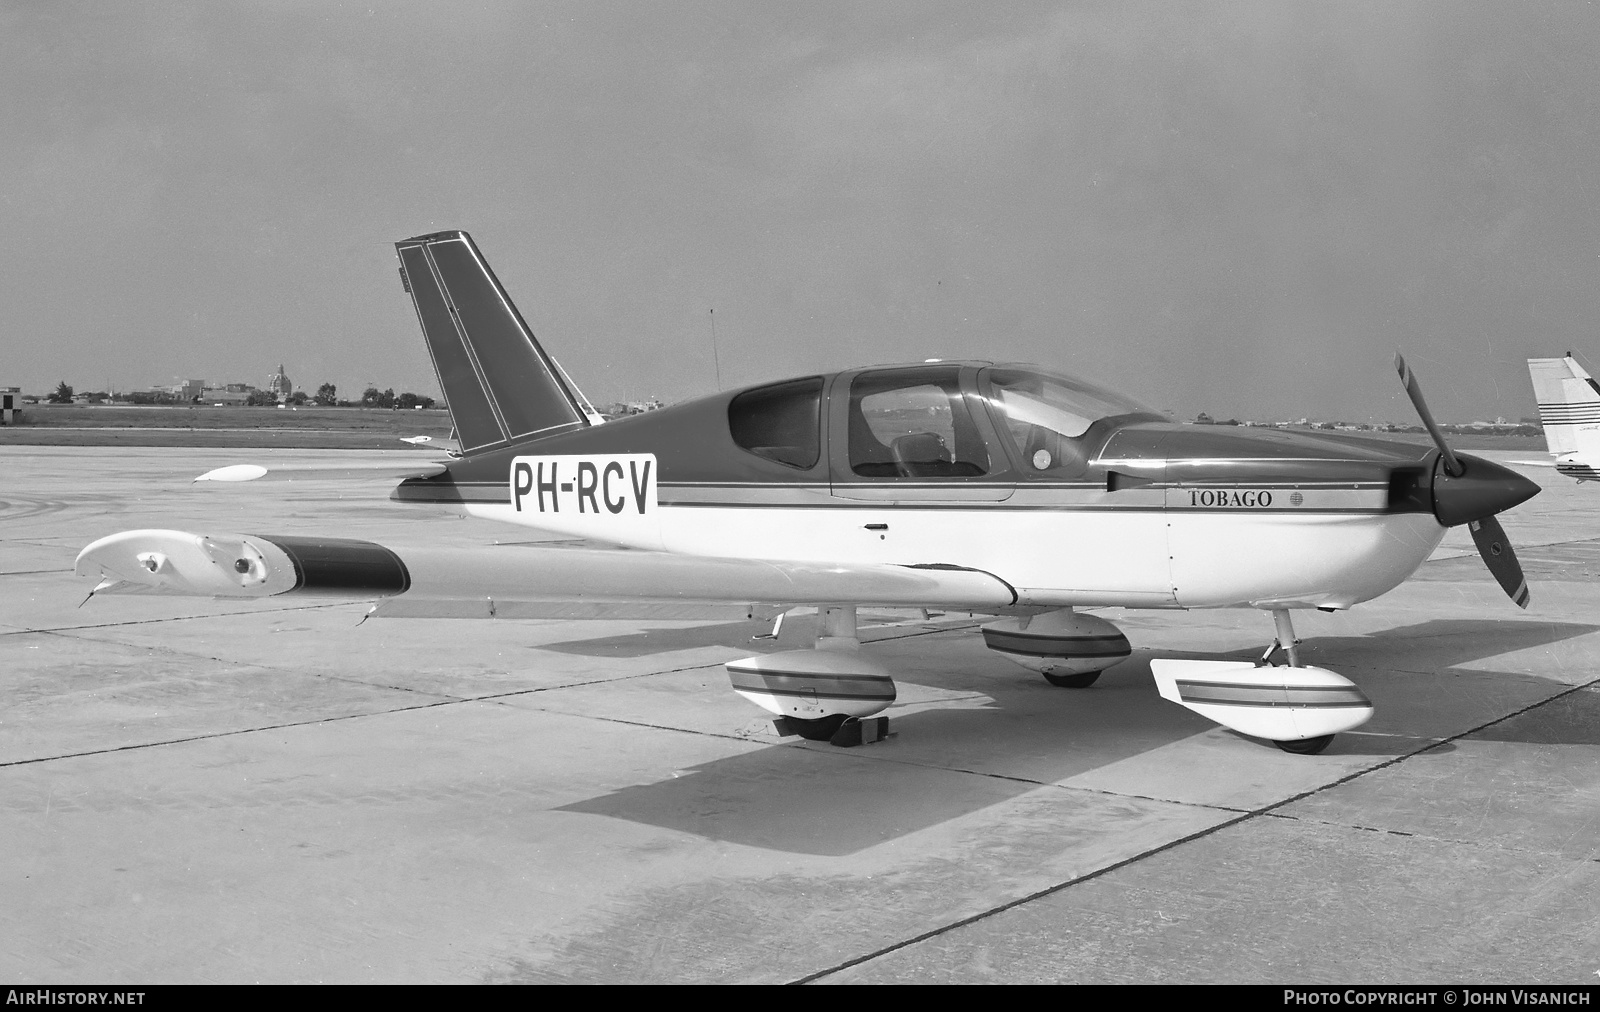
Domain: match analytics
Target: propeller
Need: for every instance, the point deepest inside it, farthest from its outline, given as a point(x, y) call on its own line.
point(1470, 490)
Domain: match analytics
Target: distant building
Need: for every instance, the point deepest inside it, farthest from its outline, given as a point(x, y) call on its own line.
point(182, 392)
point(278, 385)
point(622, 409)
point(9, 396)
point(228, 393)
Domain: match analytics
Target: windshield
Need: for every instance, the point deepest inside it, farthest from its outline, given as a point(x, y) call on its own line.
point(1046, 414)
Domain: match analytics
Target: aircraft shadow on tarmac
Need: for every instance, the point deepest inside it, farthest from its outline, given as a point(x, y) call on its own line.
point(657, 641)
point(1021, 734)
point(798, 632)
point(1439, 643)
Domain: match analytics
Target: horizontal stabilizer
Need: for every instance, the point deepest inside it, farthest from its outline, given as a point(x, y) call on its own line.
point(433, 443)
point(392, 470)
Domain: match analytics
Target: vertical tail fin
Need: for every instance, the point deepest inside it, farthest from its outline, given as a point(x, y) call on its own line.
point(501, 386)
point(1569, 403)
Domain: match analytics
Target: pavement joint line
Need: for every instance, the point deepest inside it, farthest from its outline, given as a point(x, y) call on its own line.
point(66, 629)
point(348, 679)
point(1452, 841)
point(446, 701)
point(225, 734)
point(1266, 810)
point(262, 665)
point(659, 727)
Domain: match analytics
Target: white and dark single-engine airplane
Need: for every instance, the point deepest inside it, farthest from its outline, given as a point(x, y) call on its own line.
point(1569, 410)
point(1003, 490)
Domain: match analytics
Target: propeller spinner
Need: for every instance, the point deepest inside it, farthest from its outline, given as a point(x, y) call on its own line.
point(1470, 490)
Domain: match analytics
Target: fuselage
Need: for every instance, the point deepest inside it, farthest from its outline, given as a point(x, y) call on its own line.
point(980, 467)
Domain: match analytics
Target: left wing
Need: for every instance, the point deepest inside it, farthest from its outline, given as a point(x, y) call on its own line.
point(513, 581)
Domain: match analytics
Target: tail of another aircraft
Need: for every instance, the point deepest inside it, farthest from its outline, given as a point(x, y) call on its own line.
point(501, 386)
point(1569, 404)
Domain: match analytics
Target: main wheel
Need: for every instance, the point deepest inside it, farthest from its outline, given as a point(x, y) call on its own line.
point(1305, 746)
point(820, 729)
point(1078, 681)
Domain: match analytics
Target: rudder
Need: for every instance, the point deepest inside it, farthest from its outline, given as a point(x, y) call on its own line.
point(1569, 402)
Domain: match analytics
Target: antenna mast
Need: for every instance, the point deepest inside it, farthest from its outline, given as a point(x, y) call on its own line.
point(715, 359)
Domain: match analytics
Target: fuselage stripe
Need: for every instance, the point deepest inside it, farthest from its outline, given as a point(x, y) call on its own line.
point(1297, 696)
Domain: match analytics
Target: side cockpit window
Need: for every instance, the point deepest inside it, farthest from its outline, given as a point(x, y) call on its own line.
point(782, 422)
point(913, 424)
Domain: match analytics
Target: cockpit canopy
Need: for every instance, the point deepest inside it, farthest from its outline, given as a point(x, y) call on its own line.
point(1046, 416)
point(933, 421)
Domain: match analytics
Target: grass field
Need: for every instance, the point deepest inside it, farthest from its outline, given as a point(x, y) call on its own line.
point(295, 428)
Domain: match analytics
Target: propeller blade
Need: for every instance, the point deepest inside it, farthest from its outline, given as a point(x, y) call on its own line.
point(1496, 550)
point(1452, 466)
point(1474, 499)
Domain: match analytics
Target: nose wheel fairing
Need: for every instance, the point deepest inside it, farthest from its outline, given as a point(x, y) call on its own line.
point(1282, 704)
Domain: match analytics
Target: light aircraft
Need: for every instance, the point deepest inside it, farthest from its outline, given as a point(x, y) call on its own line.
point(1005, 490)
point(1569, 410)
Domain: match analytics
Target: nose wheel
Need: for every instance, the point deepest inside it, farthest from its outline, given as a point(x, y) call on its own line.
point(1306, 746)
point(1289, 645)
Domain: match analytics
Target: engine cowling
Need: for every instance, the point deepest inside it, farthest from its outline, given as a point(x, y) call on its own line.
point(1058, 643)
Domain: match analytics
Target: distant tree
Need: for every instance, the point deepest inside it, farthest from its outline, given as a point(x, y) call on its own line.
point(410, 400)
point(260, 399)
point(63, 394)
point(327, 395)
point(386, 399)
point(369, 397)
point(299, 397)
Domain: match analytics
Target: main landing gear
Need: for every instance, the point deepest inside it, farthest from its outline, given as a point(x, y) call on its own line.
point(1068, 649)
point(830, 693)
point(1078, 681)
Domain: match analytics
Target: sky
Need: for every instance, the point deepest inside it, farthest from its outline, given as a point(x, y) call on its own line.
point(1243, 208)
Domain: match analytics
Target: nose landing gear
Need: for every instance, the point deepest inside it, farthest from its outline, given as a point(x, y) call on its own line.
point(1297, 707)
